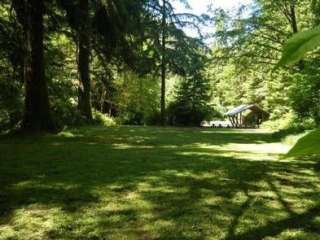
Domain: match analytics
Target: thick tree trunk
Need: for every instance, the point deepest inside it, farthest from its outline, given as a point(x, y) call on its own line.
point(37, 115)
point(163, 67)
point(84, 101)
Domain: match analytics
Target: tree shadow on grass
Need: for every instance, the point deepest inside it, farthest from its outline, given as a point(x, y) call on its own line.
point(303, 221)
point(163, 186)
point(188, 208)
point(153, 136)
point(68, 199)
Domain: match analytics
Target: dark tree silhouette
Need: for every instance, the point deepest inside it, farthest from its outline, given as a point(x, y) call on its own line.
point(37, 115)
point(83, 58)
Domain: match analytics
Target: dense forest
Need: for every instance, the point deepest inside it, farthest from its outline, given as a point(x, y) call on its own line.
point(159, 119)
point(71, 63)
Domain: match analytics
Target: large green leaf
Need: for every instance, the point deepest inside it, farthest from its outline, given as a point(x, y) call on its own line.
point(298, 45)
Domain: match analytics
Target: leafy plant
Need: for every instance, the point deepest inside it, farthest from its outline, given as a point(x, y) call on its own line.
point(102, 119)
point(299, 45)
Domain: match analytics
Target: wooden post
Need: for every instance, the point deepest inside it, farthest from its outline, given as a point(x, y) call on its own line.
point(237, 120)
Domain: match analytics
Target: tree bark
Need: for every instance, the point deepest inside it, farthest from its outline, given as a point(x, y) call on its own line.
point(163, 66)
point(293, 17)
point(37, 115)
point(84, 101)
point(294, 26)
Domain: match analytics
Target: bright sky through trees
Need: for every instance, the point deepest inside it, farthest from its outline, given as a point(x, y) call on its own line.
point(199, 7)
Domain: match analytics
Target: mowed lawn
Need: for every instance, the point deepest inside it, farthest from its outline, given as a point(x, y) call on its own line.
point(156, 183)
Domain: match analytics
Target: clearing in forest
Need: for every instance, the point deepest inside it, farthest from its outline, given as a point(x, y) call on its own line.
point(156, 183)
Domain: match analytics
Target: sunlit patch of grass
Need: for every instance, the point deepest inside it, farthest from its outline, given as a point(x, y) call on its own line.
point(127, 146)
point(156, 183)
point(33, 222)
point(308, 145)
point(68, 134)
point(296, 235)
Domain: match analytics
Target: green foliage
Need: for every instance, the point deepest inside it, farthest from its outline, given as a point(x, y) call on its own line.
point(11, 72)
point(102, 119)
point(125, 39)
point(192, 103)
point(249, 46)
point(67, 114)
point(127, 53)
point(137, 99)
point(305, 94)
point(299, 45)
point(11, 103)
point(289, 124)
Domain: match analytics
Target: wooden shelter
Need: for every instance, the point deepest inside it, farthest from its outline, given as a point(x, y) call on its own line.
point(250, 115)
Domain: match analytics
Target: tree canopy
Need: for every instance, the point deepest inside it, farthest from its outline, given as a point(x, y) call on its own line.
point(63, 61)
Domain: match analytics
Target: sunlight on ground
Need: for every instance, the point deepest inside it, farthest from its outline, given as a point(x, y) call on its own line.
point(254, 152)
point(154, 183)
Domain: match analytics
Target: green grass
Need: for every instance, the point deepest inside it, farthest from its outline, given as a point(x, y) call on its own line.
point(307, 146)
point(156, 183)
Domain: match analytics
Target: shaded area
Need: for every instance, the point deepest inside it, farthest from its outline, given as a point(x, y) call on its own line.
point(298, 221)
point(154, 183)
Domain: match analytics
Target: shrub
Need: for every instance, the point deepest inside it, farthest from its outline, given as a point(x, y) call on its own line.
point(187, 114)
point(67, 114)
point(132, 117)
point(102, 119)
point(290, 124)
point(305, 96)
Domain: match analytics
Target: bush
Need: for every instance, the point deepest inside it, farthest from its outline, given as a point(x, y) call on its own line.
point(9, 120)
point(305, 96)
point(154, 118)
point(186, 114)
point(102, 119)
point(67, 114)
point(290, 124)
point(133, 117)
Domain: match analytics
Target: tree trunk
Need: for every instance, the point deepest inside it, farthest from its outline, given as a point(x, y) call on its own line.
point(294, 26)
point(37, 115)
point(163, 66)
point(84, 101)
point(293, 17)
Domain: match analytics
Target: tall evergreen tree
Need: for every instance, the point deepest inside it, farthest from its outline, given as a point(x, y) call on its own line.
point(107, 28)
point(37, 115)
point(170, 42)
point(192, 104)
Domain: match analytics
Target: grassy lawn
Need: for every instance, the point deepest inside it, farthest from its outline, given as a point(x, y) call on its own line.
point(307, 146)
point(156, 183)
